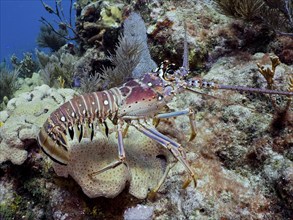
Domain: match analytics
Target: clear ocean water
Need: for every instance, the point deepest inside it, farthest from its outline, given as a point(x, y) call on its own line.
point(20, 25)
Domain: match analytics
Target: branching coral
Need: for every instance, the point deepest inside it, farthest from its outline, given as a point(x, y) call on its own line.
point(57, 71)
point(282, 114)
point(268, 73)
point(25, 67)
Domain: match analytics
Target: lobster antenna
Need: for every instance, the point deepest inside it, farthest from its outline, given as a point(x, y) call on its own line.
point(256, 90)
point(228, 102)
point(185, 64)
point(204, 94)
point(199, 83)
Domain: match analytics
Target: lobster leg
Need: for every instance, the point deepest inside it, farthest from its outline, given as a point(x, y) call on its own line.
point(121, 154)
point(191, 115)
point(171, 145)
point(152, 193)
point(124, 133)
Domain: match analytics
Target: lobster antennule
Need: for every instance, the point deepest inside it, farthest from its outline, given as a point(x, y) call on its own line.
point(249, 89)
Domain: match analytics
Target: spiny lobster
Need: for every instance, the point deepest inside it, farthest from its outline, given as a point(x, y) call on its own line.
point(132, 104)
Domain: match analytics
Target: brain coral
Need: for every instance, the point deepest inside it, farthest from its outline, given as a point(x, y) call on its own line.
point(23, 117)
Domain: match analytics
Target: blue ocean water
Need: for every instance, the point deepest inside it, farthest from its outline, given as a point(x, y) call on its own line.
point(20, 25)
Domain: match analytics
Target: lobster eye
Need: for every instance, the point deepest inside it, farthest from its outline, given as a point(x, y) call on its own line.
point(170, 71)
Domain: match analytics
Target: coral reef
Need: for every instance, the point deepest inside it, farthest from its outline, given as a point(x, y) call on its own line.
point(275, 14)
point(8, 85)
point(239, 169)
point(97, 20)
point(58, 69)
point(25, 67)
point(242, 154)
point(238, 137)
point(94, 70)
point(130, 59)
point(166, 32)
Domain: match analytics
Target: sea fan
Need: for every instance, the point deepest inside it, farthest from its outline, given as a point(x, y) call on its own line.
point(49, 39)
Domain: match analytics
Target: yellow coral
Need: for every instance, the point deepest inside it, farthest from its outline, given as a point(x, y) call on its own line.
point(268, 73)
point(1, 123)
point(111, 16)
point(61, 82)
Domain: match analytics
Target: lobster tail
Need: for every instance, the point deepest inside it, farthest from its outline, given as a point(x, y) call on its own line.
point(51, 148)
point(75, 118)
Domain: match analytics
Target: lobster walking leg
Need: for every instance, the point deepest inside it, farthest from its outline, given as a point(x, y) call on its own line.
point(175, 148)
point(191, 115)
point(125, 131)
point(152, 193)
point(121, 154)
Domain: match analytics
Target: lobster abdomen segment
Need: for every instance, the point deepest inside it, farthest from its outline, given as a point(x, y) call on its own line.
point(51, 148)
point(75, 116)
